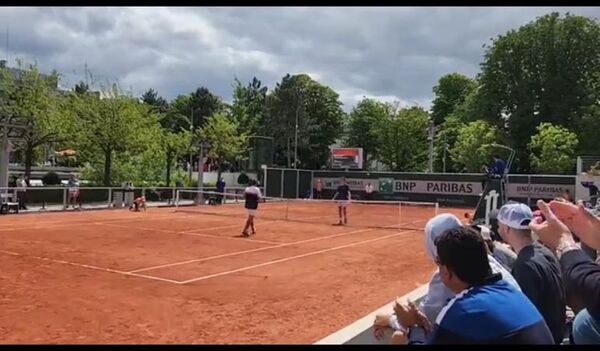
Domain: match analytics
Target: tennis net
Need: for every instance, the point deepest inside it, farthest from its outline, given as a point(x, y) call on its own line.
point(362, 214)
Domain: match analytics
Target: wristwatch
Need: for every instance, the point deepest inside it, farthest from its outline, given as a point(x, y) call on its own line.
point(566, 246)
point(416, 333)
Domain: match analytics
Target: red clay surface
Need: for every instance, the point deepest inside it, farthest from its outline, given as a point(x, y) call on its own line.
point(166, 276)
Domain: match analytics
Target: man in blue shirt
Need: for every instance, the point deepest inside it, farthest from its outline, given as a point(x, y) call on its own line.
point(498, 167)
point(485, 310)
point(220, 190)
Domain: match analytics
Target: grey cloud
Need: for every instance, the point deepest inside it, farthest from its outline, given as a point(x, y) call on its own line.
point(389, 53)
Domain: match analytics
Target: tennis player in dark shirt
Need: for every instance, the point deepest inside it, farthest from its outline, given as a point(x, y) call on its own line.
point(342, 196)
point(252, 197)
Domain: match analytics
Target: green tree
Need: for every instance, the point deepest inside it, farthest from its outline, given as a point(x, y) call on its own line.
point(174, 145)
point(81, 88)
point(175, 137)
point(545, 71)
point(403, 145)
point(285, 104)
point(226, 143)
point(178, 115)
point(190, 112)
point(365, 123)
point(445, 139)
point(113, 126)
point(33, 97)
point(317, 109)
point(158, 103)
point(473, 147)
point(202, 105)
point(553, 149)
point(249, 105)
point(450, 93)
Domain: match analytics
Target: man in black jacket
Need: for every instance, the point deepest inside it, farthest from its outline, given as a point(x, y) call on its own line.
point(536, 269)
point(555, 229)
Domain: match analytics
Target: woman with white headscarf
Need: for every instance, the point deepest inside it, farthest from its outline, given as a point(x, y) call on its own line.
point(437, 294)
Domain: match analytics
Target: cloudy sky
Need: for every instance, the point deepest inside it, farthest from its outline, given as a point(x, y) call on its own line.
point(395, 53)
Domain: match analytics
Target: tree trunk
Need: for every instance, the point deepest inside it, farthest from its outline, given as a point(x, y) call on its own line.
point(28, 161)
point(219, 168)
point(107, 165)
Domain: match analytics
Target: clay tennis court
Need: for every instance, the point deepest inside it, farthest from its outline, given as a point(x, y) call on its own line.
point(179, 276)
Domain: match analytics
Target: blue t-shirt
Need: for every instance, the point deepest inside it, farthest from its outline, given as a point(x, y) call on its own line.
point(498, 167)
point(493, 313)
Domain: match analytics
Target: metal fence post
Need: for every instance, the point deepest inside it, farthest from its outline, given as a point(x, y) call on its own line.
point(297, 183)
point(312, 184)
point(65, 204)
point(282, 174)
point(265, 180)
point(109, 197)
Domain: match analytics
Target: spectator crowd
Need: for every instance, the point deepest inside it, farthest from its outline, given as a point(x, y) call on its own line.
point(530, 277)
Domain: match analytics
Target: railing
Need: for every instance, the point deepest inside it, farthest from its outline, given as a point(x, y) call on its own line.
point(57, 198)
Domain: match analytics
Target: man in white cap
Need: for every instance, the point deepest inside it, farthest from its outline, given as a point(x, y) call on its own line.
point(536, 269)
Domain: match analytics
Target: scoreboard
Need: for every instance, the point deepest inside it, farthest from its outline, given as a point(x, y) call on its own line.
point(347, 158)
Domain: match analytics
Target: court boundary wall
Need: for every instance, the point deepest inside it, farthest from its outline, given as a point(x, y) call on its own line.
point(360, 332)
point(447, 189)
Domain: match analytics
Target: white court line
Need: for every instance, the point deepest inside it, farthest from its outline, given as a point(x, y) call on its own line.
point(249, 251)
point(68, 223)
point(192, 234)
point(261, 223)
point(262, 248)
point(136, 274)
point(292, 257)
point(250, 239)
point(90, 267)
point(76, 214)
point(230, 226)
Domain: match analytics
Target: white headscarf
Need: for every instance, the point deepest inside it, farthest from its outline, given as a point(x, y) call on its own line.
point(438, 293)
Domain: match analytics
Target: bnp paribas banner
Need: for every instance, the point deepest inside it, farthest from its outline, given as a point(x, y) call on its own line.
point(390, 186)
point(355, 184)
point(438, 187)
point(540, 191)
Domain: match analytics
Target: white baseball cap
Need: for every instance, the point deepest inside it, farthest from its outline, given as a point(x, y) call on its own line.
point(515, 215)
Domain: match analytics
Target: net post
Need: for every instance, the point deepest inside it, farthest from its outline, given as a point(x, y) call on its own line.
point(437, 208)
point(176, 198)
point(109, 197)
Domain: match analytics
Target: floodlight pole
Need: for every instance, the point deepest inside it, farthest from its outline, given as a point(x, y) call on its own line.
point(200, 197)
point(4, 158)
point(430, 137)
point(299, 101)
